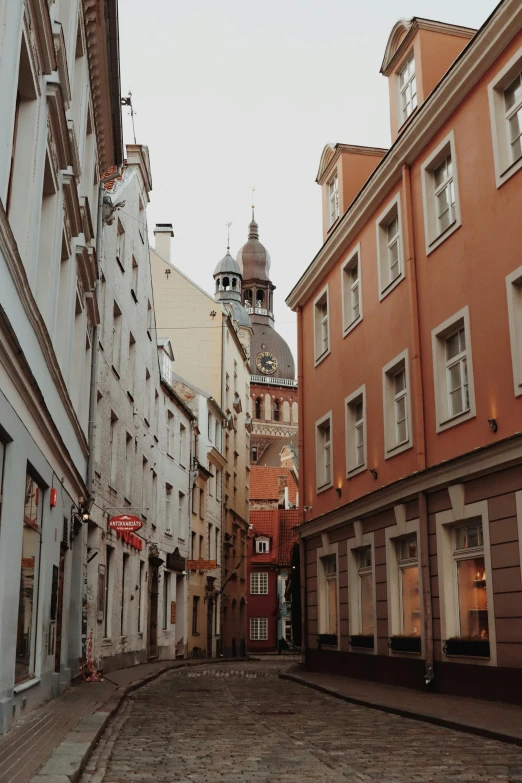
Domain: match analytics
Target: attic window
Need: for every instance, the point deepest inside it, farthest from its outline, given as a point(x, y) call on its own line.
point(408, 89)
point(166, 365)
point(262, 545)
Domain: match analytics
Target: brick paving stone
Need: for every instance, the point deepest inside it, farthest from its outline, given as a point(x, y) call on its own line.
point(239, 723)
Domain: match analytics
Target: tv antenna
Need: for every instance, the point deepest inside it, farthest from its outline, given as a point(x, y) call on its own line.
point(128, 102)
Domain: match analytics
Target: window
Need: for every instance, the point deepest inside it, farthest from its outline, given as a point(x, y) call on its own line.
point(323, 444)
point(397, 408)
point(355, 415)
point(154, 498)
point(514, 297)
point(276, 411)
point(321, 326)
point(505, 103)
point(141, 592)
point(113, 451)
point(109, 577)
point(258, 583)
point(181, 509)
point(124, 593)
point(169, 425)
point(468, 555)
point(407, 90)
point(129, 461)
point(254, 454)
point(258, 629)
point(287, 629)
point(328, 617)
point(409, 585)
point(351, 291)
point(262, 545)
point(131, 372)
point(120, 246)
point(181, 444)
point(116, 338)
point(146, 398)
point(258, 408)
point(333, 199)
point(26, 636)
point(440, 194)
point(201, 503)
point(134, 289)
point(195, 607)
point(210, 427)
point(193, 546)
point(389, 248)
point(165, 365)
point(364, 560)
point(168, 509)
point(454, 392)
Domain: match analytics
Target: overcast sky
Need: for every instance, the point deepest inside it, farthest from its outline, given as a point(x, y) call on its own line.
point(234, 93)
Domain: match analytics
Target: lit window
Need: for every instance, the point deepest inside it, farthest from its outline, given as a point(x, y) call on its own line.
point(513, 114)
point(408, 89)
point(471, 581)
point(365, 590)
point(324, 454)
point(409, 586)
point(258, 583)
point(259, 629)
point(457, 373)
point(329, 602)
point(321, 326)
point(333, 199)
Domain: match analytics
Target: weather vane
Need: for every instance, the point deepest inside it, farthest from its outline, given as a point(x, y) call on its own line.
point(228, 234)
point(253, 205)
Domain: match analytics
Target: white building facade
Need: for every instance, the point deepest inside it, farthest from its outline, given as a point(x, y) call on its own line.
point(136, 585)
point(60, 127)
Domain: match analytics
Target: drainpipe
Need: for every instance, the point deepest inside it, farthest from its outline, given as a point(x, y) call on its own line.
point(223, 509)
point(419, 418)
point(300, 443)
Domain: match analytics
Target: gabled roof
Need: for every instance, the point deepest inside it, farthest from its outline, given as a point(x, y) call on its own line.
point(166, 344)
point(404, 30)
point(264, 483)
point(331, 151)
point(279, 526)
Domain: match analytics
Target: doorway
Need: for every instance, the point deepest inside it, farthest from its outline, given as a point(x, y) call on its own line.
point(59, 609)
point(152, 634)
point(210, 625)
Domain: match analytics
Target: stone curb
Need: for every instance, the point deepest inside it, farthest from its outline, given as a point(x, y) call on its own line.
point(466, 728)
point(69, 759)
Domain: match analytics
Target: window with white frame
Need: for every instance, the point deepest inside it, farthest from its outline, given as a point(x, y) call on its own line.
point(514, 299)
point(407, 89)
point(262, 546)
point(321, 326)
point(287, 629)
point(355, 415)
point(168, 509)
point(120, 245)
point(389, 248)
point(259, 629)
point(258, 583)
point(169, 425)
point(351, 291)
point(409, 594)
point(453, 371)
point(333, 199)
point(397, 409)
point(329, 614)
point(440, 193)
point(468, 556)
point(324, 452)
point(505, 102)
point(365, 573)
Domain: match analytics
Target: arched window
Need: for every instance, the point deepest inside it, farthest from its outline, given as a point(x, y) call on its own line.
point(248, 298)
point(218, 283)
point(234, 281)
point(226, 283)
point(276, 410)
point(258, 408)
point(260, 297)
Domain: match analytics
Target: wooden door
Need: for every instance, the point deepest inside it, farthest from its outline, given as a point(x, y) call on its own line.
point(59, 610)
point(153, 613)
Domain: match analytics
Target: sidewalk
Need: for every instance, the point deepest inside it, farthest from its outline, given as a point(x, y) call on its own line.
point(58, 737)
point(486, 718)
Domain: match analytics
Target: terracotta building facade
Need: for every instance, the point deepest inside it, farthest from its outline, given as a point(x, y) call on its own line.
point(411, 458)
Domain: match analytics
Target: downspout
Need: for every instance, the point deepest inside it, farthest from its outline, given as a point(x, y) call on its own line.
point(300, 444)
point(420, 422)
point(223, 509)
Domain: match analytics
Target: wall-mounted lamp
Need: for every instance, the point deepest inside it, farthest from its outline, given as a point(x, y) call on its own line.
point(339, 491)
point(307, 508)
point(493, 424)
point(373, 472)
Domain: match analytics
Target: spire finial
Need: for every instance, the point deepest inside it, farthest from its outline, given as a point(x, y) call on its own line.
point(253, 205)
point(228, 236)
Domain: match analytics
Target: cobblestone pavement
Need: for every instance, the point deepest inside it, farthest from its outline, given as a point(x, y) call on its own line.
point(239, 723)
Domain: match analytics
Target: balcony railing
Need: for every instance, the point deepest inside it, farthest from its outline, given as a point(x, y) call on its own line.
point(259, 311)
point(272, 379)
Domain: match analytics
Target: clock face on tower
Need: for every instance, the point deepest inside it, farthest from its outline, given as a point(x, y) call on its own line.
point(266, 363)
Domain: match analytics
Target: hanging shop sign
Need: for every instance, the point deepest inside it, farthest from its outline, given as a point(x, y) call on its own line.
point(125, 523)
point(201, 565)
point(173, 613)
point(129, 538)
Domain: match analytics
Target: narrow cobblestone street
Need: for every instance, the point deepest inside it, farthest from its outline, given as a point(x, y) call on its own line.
point(240, 723)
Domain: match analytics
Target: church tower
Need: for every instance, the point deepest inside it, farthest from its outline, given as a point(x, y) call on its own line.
point(273, 387)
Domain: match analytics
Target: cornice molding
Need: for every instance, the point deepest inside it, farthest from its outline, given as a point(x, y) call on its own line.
point(58, 124)
point(39, 10)
point(61, 60)
point(328, 160)
point(18, 274)
point(487, 45)
point(478, 462)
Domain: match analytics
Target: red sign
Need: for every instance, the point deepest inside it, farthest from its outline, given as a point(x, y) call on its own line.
point(125, 523)
point(130, 539)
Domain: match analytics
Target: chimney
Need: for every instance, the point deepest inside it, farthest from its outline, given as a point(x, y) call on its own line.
point(162, 234)
point(281, 487)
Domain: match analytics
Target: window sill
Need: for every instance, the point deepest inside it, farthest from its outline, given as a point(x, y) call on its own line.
point(24, 686)
point(352, 326)
point(320, 489)
point(115, 371)
point(441, 238)
point(405, 644)
point(389, 453)
point(391, 286)
point(195, 633)
point(111, 489)
point(322, 357)
point(106, 641)
point(454, 420)
point(168, 533)
point(355, 471)
point(506, 175)
point(362, 641)
point(469, 648)
point(130, 396)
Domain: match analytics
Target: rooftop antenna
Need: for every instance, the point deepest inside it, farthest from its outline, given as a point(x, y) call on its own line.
point(128, 102)
point(228, 235)
point(253, 205)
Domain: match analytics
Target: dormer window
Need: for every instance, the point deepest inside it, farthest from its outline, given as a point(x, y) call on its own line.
point(165, 365)
point(408, 89)
point(333, 198)
point(262, 546)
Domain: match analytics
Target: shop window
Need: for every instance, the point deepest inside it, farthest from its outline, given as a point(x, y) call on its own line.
point(29, 581)
point(361, 595)
point(328, 618)
point(409, 586)
point(366, 589)
point(471, 581)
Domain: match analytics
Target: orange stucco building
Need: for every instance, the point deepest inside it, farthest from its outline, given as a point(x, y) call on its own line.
point(410, 376)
